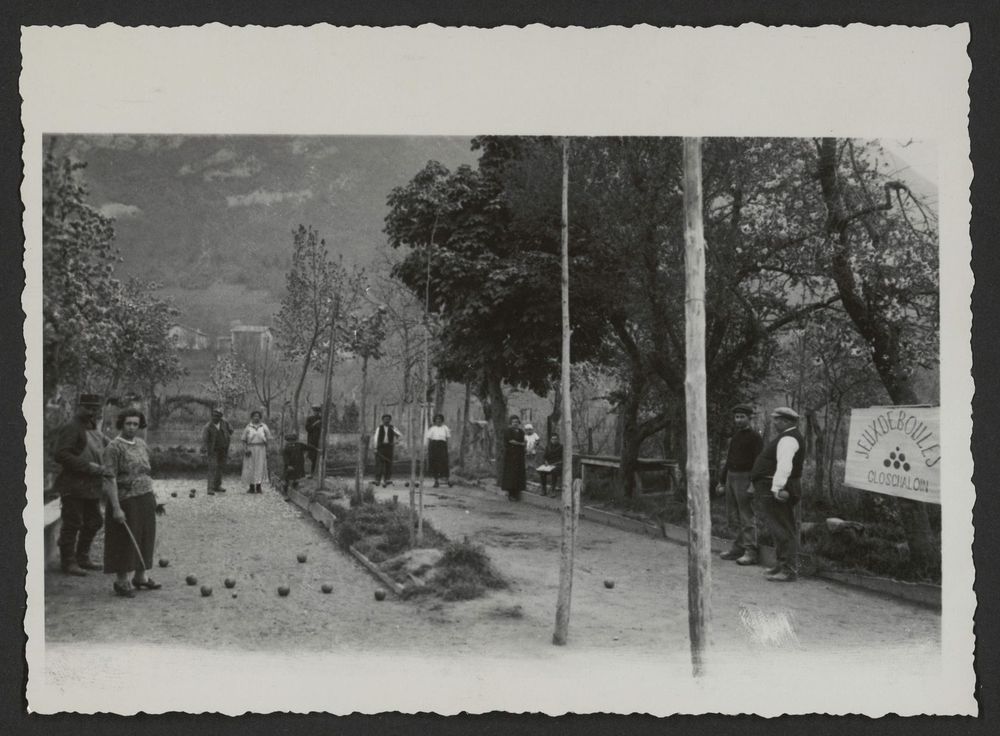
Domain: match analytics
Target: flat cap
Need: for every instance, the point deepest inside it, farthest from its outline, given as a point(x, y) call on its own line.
point(743, 409)
point(786, 412)
point(216, 412)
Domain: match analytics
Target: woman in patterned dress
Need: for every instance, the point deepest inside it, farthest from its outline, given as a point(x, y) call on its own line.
point(255, 438)
point(132, 507)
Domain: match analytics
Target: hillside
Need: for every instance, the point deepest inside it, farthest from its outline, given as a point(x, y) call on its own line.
point(191, 211)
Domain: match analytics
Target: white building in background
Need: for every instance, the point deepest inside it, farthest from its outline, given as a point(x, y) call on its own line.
point(188, 338)
point(249, 340)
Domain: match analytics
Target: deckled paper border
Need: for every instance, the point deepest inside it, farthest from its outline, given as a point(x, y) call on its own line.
point(893, 82)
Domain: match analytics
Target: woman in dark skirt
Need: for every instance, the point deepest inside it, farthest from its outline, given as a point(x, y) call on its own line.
point(437, 437)
point(132, 506)
point(513, 480)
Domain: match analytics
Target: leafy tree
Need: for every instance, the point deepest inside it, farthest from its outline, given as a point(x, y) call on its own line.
point(142, 356)
point(627, 232)
point(78, 287)
point(491, 283)
point(884, 263)
point(318, 291)
point(98, 332)
point(229, 381)
point(366, 334)
point(270, 377)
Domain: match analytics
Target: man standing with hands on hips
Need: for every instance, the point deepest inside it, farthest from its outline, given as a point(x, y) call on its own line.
point(216, 437)
point(776, 477)
point(744, 447)
point(79, 449)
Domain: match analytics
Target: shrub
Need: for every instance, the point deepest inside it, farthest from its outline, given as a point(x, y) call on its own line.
point(465, 572)
point(367, 496)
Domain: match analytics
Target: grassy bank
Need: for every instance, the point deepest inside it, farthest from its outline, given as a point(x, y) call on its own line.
point(381, 532)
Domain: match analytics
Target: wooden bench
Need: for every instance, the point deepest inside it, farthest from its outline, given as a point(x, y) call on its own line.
point(612, 461)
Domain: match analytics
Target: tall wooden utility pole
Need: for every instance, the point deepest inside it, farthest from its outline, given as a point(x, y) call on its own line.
point(426, 383)
point(326, 390)
point(570, 491)
point(699, 514)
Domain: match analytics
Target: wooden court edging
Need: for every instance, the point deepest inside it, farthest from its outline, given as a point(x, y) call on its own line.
point(925, 594)
point(326, 518)
point(374, 570)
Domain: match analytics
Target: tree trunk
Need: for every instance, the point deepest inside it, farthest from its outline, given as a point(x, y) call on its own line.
point(498, 416)
point(440, 389)
point(819, 453)
point(326, 400)
point(628, 413)
point(362, 426)
point(463, 443)
point(570, 492)
point(301, 382)
point(700, 523)
point(553, 420)
point(881, 335)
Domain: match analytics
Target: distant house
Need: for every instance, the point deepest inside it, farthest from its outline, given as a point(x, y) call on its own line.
point(188, 338)
point(250, 340)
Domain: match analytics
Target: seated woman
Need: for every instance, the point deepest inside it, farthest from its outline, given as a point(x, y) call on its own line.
point(552, 467)
point(130, 527)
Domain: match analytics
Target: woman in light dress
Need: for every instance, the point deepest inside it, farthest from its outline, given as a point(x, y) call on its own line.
point(255, 439)
point(437, 436)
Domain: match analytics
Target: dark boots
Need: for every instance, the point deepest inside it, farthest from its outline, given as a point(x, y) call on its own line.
point(69, 564)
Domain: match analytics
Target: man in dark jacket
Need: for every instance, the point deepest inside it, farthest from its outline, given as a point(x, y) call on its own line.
point(78, 449)
point(744, 447)
point(776, 477)
point(314, 433)
point(216, 437)
point(294, 461)
point(384, 443)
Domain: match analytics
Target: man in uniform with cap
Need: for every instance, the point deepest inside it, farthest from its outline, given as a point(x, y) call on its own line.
point(314, 431)
point(776, 477)
point(744, 447)
point(79, 449)
point(216, 437)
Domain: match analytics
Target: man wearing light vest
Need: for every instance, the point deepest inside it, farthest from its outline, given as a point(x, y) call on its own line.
point(776, 477)
point(383, 442)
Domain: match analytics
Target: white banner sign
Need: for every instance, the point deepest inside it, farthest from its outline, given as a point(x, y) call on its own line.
point(895, 450)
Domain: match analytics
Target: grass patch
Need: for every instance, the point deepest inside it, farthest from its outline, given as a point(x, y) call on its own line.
point(381, 531)
point(464, 572)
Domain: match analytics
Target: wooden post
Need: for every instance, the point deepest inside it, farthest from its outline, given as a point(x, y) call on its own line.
point(465, 428)
point(326, 392)
point(362, 439)
point(570, 490)
point(413, 474)
point(699, 515)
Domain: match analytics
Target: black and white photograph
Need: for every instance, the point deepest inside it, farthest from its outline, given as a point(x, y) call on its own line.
point(566, 411)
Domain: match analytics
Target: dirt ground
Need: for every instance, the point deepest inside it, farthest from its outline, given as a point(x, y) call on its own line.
point(255, 539)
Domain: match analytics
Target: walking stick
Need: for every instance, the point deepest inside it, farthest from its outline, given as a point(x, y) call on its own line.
point(136, 545)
